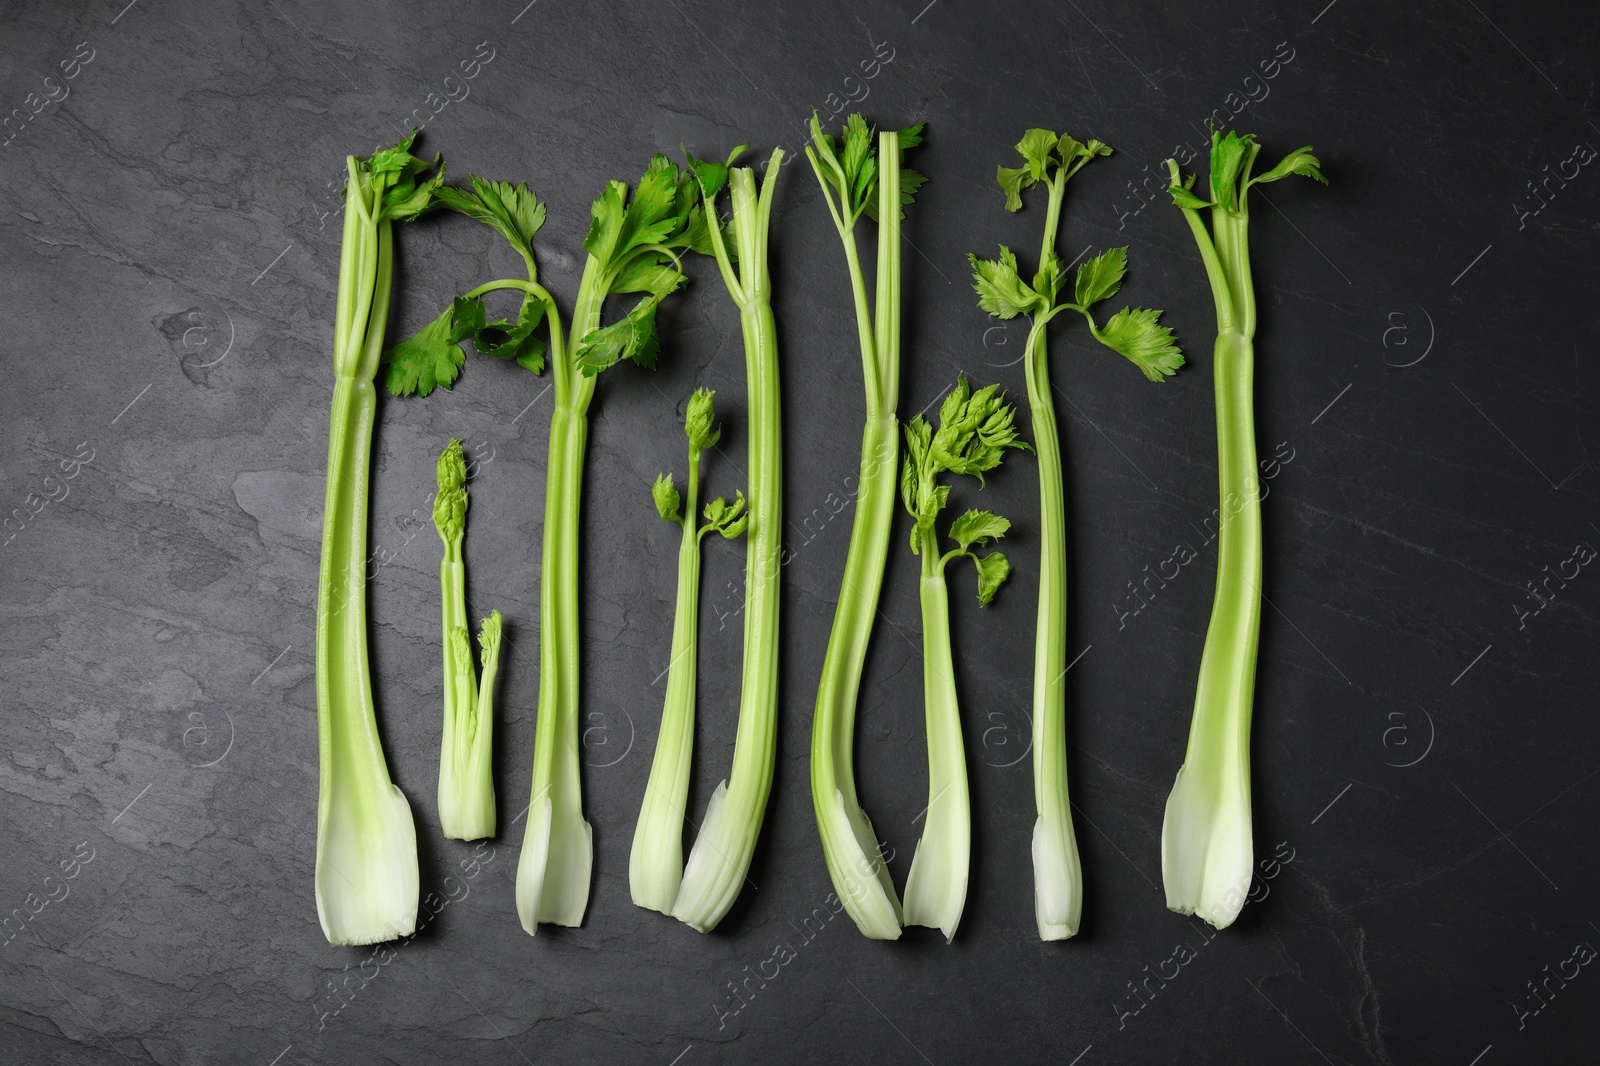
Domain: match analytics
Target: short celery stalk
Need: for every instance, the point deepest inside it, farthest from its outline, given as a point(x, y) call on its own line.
point(1133, 333)
point(720, 859)
point(655, 866)
point(1207, 854)
point(633, 246)
point(974, 431)
point(466, 779)
point(854, 183)
point(366, 876)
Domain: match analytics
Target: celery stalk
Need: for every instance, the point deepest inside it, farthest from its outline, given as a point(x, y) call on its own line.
point(1207, 854)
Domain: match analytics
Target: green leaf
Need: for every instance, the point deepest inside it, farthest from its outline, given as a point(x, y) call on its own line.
point(974, 430)
point(646, 272)
point(631, 337)
point(652, 214)
point(1012, 181)
point(978, 527)
point(1136, 334)
point(1229, 155)
point(1000, 290)
point(512, 210)
point(433, 356)
point(699, 421)
point(993, 569)
point(728, 519)
point(665, 493)
point(605, 220)
point(1300, 161)
point(1036, 146)
point(520, 343)
point(911, 136)
point(712, 176)
point(1101, 276)
point(1047, 282)
point(1186, 199)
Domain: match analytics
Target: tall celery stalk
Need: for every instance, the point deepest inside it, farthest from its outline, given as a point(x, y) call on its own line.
point(366, 877)
point(720, 858)
point(854, 182)
point(1133, 333)
point(1207, 854)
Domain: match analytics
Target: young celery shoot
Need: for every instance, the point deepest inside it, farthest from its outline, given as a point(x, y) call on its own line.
point(655, 867)
point(1207, 854)
point(366, 877)
point(466, 778)
point(855, 183)
point(1134, 333)
point(975, 429)
point(634, 242)
point(720, 859)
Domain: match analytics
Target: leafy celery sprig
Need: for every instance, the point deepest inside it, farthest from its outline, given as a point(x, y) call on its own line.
point(466, 778)
point(655, 865)
point(975, 429)
point(1134, 333)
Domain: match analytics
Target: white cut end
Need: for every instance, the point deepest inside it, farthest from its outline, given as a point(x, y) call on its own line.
point(366, 876)
point(867, 892)
point(531, 865)
point(936, 885)
point(700, 901)
point(1057, 882)
point(1207, 857)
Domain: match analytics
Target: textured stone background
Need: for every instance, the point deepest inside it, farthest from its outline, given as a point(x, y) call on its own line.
point(1424, 751)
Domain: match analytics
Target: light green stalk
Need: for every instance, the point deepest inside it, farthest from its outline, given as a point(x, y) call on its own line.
point(557, 857)
point(655, 866)
point(466, 779)
point(1207, 855)
point(936, 888)
point(366, 875)
point(1057, 872)
point(974, 431)
point(1133, 333)
point(849, 844)
point(720, 858)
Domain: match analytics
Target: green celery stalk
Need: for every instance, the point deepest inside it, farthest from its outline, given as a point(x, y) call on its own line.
point(1133, 333)
point(466, 779)
point(974, 431)
point(850, 173)
point(633, 244)
point(1207, 855)
point(655, 866)
point(366, 875)
point(720, 857)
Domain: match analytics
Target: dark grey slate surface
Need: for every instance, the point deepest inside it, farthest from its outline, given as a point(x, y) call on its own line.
point(1424, 751)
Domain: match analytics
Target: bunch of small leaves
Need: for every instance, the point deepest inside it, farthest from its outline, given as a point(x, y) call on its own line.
point(1135, 333)
point(1232, 157)
point(849, 165)
point(974, 431)
point(406, 190)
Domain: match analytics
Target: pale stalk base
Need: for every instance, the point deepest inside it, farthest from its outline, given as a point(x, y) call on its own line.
point(1207, 858)
point(367, 884)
